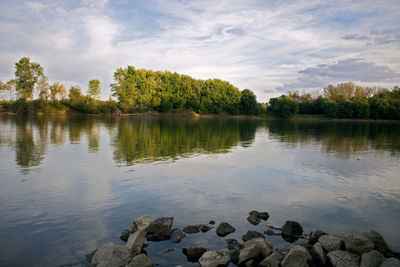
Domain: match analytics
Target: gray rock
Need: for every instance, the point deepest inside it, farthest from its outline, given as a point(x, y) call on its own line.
point(205, 228)
point(257, 248)
point(233, 243)
point(234, 255)
point(357, 242)
point(193, 254)
point(330, 242)
point(141, 260)
point(297, 257)
point(215, 258)
point(212, 222)
point(139, 230)
point(372, 259)
point(125, 235)
point(160, 229)
point(270, 232)
point(291, 230)
point(252, 234)
point(318, 254)
point(177, 236)
point(90, 256)
point(391, 262)
point(272, 260)
point(340, 258)
point(262, 215)
point(224, 229)
point(191, 229)
point(315, 235)
point(378, 240)
point(111, 255)
point(253, 219)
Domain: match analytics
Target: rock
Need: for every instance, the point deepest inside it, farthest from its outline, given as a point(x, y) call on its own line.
point(269, 232)
point(233, 243)
point(141, 260)
point(272, 260)
point(160, 229)
point(330, 242)
point(304, 244)
point(340, 258)
point(193, 254)
point(253, 219)
point(372, 259)
point(378, 240)
point(224, 229)
point(234, 255)
point(168, 250)
point(177, 236)
point(125, 235)
point(357, 242)
point(315, 235)
point(215, 258)
point(391, 262)
point(139, 230)
point(297, 257)
point(191, 229)
point(212, 222)
point(111, 255)
point(291, 230)
point(252, 234)
point(205, 228)
point(90, 256)
point(257, 248)
point(262, 215)
point(318, 254)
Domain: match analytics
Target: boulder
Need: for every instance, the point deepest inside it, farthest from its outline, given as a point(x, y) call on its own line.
point(330, 242)
point(90, 256)
point(318, 254)
point(357, 242)
point(191, 229)
point(212, 222)
point(139, 230)
point(315, 235)
point(224, 229)
point(272, 260)
point(378, 240)
point(160, 229)
point(205, 228)
point(141, 260)
point(253, 219)
point(111, 255)
point(233, 243)
point(193, 254)
point(391, 262)
point(125, 235)
point(340, 258)
point(234, 255)
point(215, 258)
point(297, 257)
point(252, 234)
point(372, 259)
point(176, 236)
point(262, 215)
point(257, 248)
point(291, 230)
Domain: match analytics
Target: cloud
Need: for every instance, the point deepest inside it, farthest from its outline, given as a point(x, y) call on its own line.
point(356, 37)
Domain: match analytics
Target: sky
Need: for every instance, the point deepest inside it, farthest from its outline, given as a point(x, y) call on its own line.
point(270, 47)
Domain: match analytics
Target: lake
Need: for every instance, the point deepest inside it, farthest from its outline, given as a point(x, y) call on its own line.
point(70, 184)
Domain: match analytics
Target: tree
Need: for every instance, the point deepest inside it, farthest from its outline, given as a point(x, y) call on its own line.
point(8, 86)
point(57, 90)
point(248, 102)
point(94, 88)
point(27, 74)
point(283, 106)
point(42, 87)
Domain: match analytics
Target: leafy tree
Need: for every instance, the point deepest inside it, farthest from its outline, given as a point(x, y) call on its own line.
point(42, 87)
point(27, 74)
point(57, 90)
point(94, 88)
point(248, 102)
point(283, 106)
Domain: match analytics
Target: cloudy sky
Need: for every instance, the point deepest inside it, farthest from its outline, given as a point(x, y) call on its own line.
point(269, 47)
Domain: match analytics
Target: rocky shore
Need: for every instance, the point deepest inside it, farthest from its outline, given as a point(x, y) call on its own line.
point(318, 248)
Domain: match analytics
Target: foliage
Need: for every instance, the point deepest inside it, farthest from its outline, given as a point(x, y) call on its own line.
point(27, 74)
point(94, 88)
point(283, 106)
point(248, 102)
point(57, 91)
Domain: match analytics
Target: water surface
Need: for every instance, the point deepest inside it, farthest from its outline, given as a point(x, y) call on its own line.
point(70, 184)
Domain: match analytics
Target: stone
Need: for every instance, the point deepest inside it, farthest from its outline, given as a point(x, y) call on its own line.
point(168, 250)
point(269, 232)
point(330, 242)
point(257, 248)
point(212, 222)
point(111, 255)
point(357, 242)
point(139, 230)
point(253, 219)
point(372, 259)
point(291, 230)
point(191, 229)
point(391, 262)
point(297, 257)
point(90, 256)
point(177, 236)
point(125, 235)
point(262, 215)
point(234, 255)
point(193, 254)
point(272, 260)
point(205, 228)
point(318, 254)
point(252, 234)
point(315, 235)
point(340, 258)
point(141, 260)
point(224, 229)
point(215, 258)
point(378, 240)
point(160, 229)
point(233, 243)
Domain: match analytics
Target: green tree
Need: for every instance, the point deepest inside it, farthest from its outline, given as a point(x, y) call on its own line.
point(57, 90)
point(94, 88)
point(42, 87)
point(283, 106)
point(248, 102)
point(27, 74)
